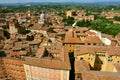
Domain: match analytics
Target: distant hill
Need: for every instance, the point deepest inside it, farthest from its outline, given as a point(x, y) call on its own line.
point(59, 3)
point(107, 3)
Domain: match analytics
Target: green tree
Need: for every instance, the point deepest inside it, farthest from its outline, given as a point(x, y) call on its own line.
point(84, 23)
point(2, 54)
point(30, 38)
point(7, 34)
point(105, 26)
point(68, 21)
point(22, 30)
point(117, 18)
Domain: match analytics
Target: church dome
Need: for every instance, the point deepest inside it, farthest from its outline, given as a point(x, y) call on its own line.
point(42, 16)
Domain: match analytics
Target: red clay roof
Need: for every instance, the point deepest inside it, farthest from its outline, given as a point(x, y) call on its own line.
point(71, 37)
point(83, 49)
point(94, 39)
point(81, 66)
point(50, 63)
point(97, 75)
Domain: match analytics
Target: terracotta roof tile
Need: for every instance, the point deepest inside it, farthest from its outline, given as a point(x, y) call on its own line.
point(81, 66)
point(71, 37)
point(40, 51)
point(97, 75)
point(35, 42)
point(49, 63)
point(89, 76)
point(83, 49)
point(93, 39)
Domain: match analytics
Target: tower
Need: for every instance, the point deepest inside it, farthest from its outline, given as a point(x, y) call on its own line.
point(42, 19)
point(42, 16)
point(12, 28)
point(28, 13)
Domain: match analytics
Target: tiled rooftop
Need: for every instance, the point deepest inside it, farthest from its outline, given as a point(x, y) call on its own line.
point(83, 49)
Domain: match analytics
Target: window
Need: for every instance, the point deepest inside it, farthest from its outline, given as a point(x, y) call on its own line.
point(110, 60)
point(81, 58)
point(70, 45)
point(78, 75)
point(89, 43)
point(102, 55)
point(77, 31)
point(94, 43)
point(84, 31)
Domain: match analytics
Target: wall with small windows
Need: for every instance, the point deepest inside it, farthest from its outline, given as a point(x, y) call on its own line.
point(40, 73)
point(27, 72)
point(2, 69)
point(87, 57)
point(108, 66)
point(109, 63)
point(115, 58)
point(13, 69)
point(100, 61)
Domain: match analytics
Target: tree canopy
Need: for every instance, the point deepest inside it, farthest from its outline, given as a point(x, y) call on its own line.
point(2, 54)
point(68, 21)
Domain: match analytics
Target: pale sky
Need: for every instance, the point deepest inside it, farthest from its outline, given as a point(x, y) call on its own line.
point(24, 1)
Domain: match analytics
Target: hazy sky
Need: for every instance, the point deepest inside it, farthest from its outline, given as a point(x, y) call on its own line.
point(23, 1)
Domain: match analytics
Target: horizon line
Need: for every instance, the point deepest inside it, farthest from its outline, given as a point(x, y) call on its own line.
point(60, 2)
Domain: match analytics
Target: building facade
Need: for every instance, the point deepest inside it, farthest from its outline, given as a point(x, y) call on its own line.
point(2, 70)
point(48, 67)
point(12, 28)
point(14, 69)
point(99, 58)
point(40, 73)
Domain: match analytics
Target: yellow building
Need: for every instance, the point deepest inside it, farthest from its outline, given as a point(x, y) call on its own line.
point(100, 58)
